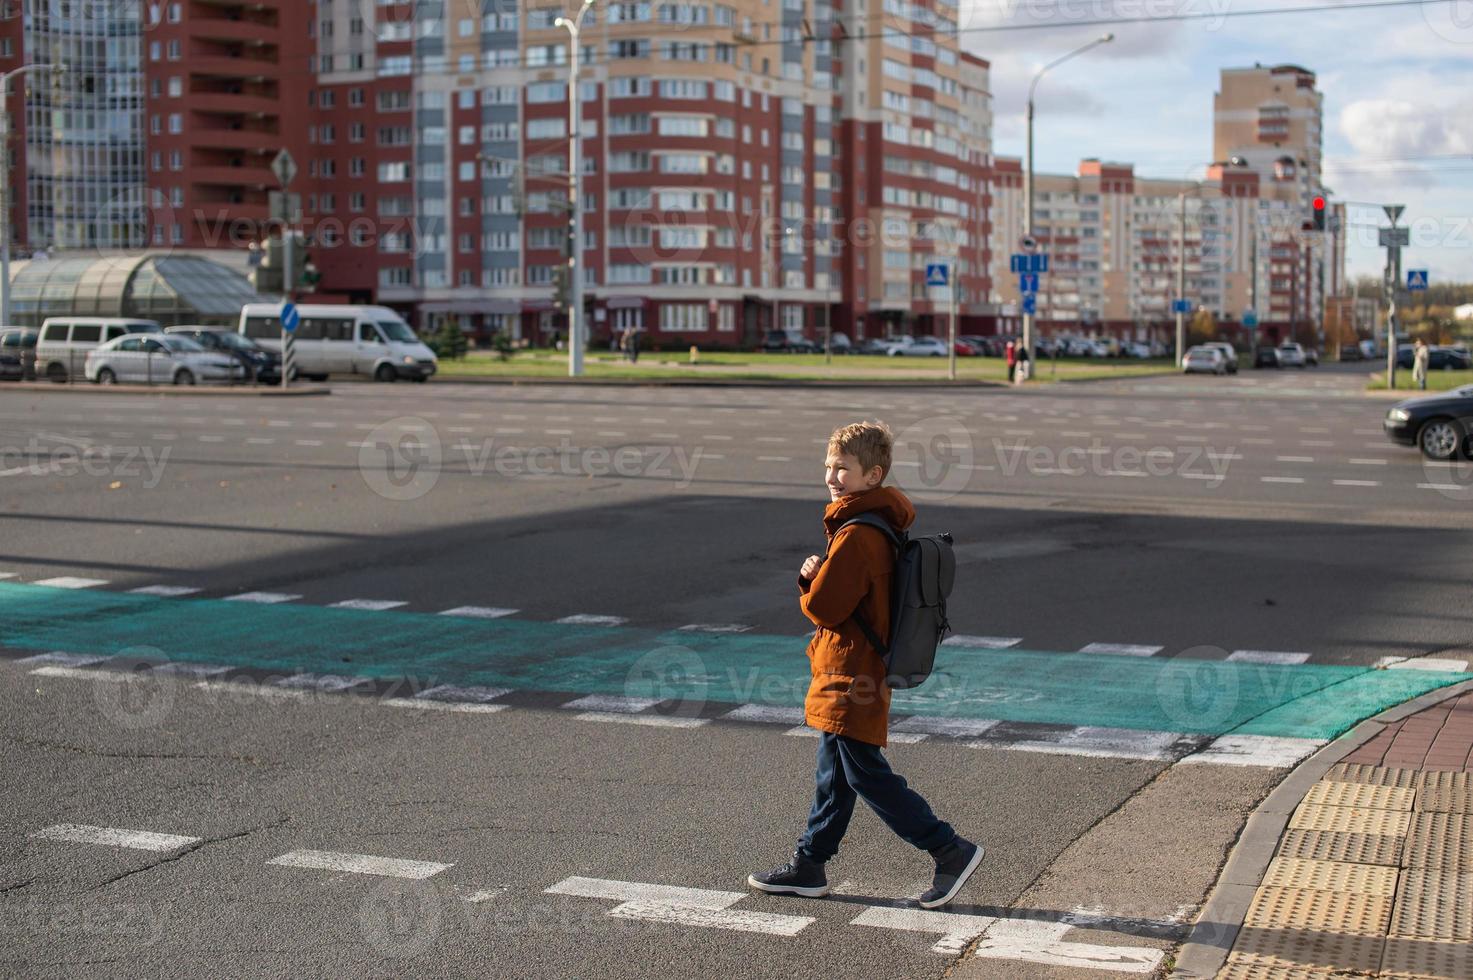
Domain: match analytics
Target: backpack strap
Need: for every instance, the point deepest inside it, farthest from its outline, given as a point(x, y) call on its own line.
point(897, 540)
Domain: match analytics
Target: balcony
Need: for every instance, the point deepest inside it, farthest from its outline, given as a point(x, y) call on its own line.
point(232, 31)
point(235, 139)
point(233, 103)
point(259, 178)
point(225, 66)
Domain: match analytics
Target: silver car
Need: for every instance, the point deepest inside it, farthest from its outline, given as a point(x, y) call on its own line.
point(158, 359)
point(1291, 355)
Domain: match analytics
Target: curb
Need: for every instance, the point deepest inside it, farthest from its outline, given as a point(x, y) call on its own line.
point(1212, 937)
point(720, 382)
point(257, 391)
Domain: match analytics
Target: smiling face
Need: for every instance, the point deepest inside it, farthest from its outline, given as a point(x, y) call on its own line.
point(843, 475)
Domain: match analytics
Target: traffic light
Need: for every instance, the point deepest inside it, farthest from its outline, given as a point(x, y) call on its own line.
point(562, 296)
point(311, 275)
point(1319, 213)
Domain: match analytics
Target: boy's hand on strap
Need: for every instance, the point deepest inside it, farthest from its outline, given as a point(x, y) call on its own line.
point(810, 568)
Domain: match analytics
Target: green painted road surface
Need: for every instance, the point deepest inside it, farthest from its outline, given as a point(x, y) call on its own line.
point(1208, 697)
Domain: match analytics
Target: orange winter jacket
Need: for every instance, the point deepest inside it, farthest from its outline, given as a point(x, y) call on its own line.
point(848, 694)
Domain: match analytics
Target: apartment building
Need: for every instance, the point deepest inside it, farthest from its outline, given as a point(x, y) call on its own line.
point(1116, 238)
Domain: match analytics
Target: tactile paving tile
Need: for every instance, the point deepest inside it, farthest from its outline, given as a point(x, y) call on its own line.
point(1439, 840)
point(1326, 793)
point(1443, 780)
point(1283, 949)
point(1331, 876)
point(1322, 845)
point(1434, 904)
point(1446, 800)
point(1247, 968)
point(1349, 772)
point(1343, 913)
point(1422, 958)
point(1350, 820)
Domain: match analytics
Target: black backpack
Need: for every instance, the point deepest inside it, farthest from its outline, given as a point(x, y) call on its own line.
point(925, 568)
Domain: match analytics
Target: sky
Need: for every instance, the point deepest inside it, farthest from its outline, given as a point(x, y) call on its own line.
point(1397, 85)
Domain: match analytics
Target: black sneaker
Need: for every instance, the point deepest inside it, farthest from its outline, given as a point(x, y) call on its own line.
point(955, 863)
point(800, 876)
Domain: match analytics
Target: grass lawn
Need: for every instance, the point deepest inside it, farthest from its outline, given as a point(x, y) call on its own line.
point(757, 366)
point(1436, 380)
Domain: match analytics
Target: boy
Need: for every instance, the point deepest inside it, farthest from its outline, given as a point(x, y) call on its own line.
point(848, 700)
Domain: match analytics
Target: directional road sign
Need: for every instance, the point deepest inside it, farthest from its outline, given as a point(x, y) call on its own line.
point(1030, 303)
point(285, 168)
point(290, 317)
point(936, 274)
point(1181, 306)
point(1028, 282)
point(1416, 279)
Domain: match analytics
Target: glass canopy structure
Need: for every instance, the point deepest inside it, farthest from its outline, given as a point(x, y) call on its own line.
point(171, 289)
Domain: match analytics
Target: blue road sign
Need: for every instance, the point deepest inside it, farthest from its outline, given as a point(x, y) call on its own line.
point(936, 274)
point(1416, 279)
point(1028, 282)
point(1250, 318)
point(1039, 263)
point(1030, 303)
point(290, 317)
point(1181, 306)
point(1019, 263)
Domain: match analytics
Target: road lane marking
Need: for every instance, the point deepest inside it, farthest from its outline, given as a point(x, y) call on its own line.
point(139, 840)
point(264, 598)
point(1356, 483)
point(1424, 663)
point(1122, 649)
point(981, 642)
point(1440, 487)
point(81, 673)
point(934, 725)
point(612, 702)
point(71, 582)
point(1369, 462)
point(1269, 751)
point(308, 442)
point(774, 459)
point(1267, 657)
point(454, 693)
point(1099, 742)
point(330, 683)
point(368, 605)
point(588, 619)
point(465, 707)
point(766, 713)
point(652, 721)
point(1294, 459)
point(957, 931)
point(362, 864)
point(646, 894)
point(735, 920)
point(895, 737)
point(1280, 479)
point(479, 612)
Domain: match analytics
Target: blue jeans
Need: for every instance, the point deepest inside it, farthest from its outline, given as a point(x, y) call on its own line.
point(848, 769)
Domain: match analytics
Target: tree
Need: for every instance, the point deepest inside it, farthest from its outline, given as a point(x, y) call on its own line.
point(449, 341)
point(1202, 328)
point(501, 343)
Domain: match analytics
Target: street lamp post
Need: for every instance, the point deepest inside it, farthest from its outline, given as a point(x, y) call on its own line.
point(575, 197)
point(1181, 279)
point(1028, 171)
point(5, 183)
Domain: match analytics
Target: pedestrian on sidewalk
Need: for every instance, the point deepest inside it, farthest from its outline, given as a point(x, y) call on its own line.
point(848, 699)
point(1012, 356)
point(1421, 355)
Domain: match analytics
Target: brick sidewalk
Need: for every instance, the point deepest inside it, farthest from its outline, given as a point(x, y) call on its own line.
point(1374, 876)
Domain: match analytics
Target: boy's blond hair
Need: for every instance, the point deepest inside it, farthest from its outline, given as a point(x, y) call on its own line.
point(869, 442)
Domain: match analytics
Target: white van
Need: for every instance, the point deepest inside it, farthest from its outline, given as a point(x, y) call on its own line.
point(368, 340)
point(61, 348)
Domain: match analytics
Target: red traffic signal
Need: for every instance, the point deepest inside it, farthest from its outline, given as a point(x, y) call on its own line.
point(1319, 214)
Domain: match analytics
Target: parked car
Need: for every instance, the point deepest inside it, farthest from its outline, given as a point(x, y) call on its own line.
point(1351, 352)
point(19, 343)
point(1438, 358)
point(1368, 348)
point(965, 348)
point(920, 347)
point(11, 368)
point(161, 359)
point(1204, 360)
point(257, 363)
point(1312, 356)
point(64, 341)
point(874, 345)
point(1229, 353)
point(1291, 355)
point(839, 343)
point(365, 340)
point(1266, 357)
point(1437, 424)
point(783, 342)
point(1137, 350)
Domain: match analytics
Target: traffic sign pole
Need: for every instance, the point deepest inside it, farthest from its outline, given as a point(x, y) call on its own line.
point(951, 290)
point(285, 169)
point(1391, 238)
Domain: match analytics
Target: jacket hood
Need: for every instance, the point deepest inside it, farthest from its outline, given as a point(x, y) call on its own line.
point(887, 502)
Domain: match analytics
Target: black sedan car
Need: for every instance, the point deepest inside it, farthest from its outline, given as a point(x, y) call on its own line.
point(1438, 424)
point(261, 365)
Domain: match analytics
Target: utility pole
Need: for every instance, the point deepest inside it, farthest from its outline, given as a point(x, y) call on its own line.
point(1393, 239)
point(1181, 279)
point(575, 202)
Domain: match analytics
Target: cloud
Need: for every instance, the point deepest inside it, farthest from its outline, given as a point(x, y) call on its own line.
point(1054, 26)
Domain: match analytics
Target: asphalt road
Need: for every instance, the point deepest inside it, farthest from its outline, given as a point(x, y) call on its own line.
point(1260, 525)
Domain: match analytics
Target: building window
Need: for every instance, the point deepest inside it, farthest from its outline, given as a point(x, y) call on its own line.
point(684, 317)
